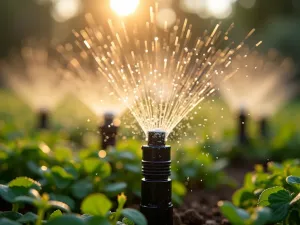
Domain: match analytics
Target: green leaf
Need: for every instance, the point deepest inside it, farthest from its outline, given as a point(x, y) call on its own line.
point(63, 154)
point(25, 182)
point(91, 164)
point(6, 193)
point(135, 216)
point(66, 220)
point(4, 221)
point(115, 187)
point(61, 177)
point(262, 216)
point(293, 180)
point(81, 188)
point(10, 215)
point(63, 198)
point(264, 197)
point(97, 167)
point(127, 221)
point(25, 199)
point(28, 218)
point(178, 188)
point(61, 172)
point(96, 205)
point(55, 214)
point(293, 218)
point(96, 220)
point(235, 215)
point(244, 198)
point(278, 199)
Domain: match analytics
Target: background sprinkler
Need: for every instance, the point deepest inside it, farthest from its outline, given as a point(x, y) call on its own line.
point(156, 189)
point(108, 131)
point(263, 127)
point(242, 128)
point(43, 119)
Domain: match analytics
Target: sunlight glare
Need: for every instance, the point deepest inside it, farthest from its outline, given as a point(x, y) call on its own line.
point(124, 8)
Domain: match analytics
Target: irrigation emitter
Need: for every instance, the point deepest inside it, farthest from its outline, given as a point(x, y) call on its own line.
point(108, 131)
point(156, 191)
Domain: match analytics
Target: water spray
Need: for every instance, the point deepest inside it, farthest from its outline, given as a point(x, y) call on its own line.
point(108, 131)
point(156, 203)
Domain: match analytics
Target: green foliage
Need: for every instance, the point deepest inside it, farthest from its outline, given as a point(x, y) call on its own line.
point(277, 190)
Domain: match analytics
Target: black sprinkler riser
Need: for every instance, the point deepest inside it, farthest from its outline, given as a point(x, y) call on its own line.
point(156, 191)
point(263, 128)
point(43, 120)
point(242, 128)
point(108, 132)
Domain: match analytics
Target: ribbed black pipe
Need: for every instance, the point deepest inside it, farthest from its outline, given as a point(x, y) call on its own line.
point(108, 132)
point(156, 191)
point(242, 128)
point(43, 119)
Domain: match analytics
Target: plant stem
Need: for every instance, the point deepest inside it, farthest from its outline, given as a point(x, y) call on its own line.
point(15, 207)
point(41, 214)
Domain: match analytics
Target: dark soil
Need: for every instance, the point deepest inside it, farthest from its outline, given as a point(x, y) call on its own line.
point(200, 206)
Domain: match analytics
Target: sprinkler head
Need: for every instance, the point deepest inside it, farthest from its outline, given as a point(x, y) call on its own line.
point(263, 128)
point(108, 131)
point(156, 191)
point(43, 119)
point(242, 127)
point(156, 137)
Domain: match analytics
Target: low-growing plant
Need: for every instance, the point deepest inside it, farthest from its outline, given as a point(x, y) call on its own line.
point(276, 190)
point(95, 207)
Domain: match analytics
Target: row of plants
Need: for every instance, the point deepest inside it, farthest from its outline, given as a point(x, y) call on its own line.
point(96, 208)
point(268, 196)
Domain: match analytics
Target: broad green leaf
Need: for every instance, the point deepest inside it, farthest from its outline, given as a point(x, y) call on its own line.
point(178, 188)
point(63, 198)
point(10, 215)
point(96, 205)
point(293, 218)
point(55, 214)
point(233, 214)
point(6, 193)
point(262, 216)
point(91, 164)
point(293, 180)
point(132, 168)
point(278, 199)
point(98, 167)
point(25, 182)
point(4, 221)
point(81, 188)
point(115, 187)
point(243, 198)
point(264, 197)
point(135, 216)
point(127, 221)
point(63, 154)
point(25, 199)
point(28, 218)
point(61, 172)
point(66, 220)
point(96, 220)
point(61, 177)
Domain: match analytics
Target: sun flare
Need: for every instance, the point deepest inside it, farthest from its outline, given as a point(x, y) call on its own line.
point(124, 8)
